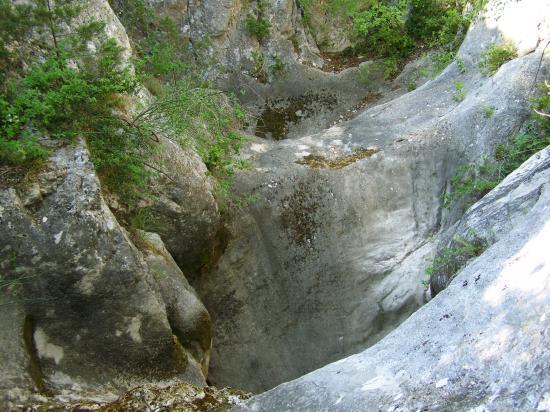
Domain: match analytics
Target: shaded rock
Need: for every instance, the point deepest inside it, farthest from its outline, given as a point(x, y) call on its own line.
point(481, 344)
point(185, 213)
point(331, 260)
point(187, 315)
point(20, 372)
point(331, 31)
point(87, 307)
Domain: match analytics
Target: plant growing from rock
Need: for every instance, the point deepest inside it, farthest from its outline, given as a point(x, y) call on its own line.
point(455, 256)
point(488, 111)
point(459, 94)
point(472, 181)
point(278, 67)
point(259, 66)
point(495, 56)
point(461, 66)
point(257, 25)
point(74, 91)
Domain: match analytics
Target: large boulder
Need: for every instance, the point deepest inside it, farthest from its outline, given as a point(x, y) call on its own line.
point(331, 256)
point(480, 345)
point(86, 310)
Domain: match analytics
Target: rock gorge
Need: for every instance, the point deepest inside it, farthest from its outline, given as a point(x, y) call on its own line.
point(316, 283)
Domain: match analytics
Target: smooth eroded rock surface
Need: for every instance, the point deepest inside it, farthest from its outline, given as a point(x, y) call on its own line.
point(330, 256)
point(480, 345)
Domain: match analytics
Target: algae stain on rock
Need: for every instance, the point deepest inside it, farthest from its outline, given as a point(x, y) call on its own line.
point(317, 161)
point(279, 114)
point(299, 215)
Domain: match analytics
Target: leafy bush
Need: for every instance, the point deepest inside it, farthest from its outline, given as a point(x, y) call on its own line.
point(257, 26)
point(69, 92)
point(74, 91)
point(381, 29)
point(495, 56)
point(511, 155)
point(471, 182)
point(398, 28)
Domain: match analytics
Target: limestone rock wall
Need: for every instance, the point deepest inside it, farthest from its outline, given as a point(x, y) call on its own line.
point(301, 98)
point(331, 256)
point(481, 344)
point(88, 309)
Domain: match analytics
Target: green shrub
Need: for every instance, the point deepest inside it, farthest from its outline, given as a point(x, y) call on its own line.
point(23, 151)
point(450, 260)
point(511, 155)
point(381, 29)
point(259, 66)
point(471, 182)
point(495, 56)
point(72, 92)
point(258, 27)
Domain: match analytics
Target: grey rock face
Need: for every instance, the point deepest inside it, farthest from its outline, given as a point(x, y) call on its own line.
point(481, 344)
point(274, 96)
point(90, 311)
point(331, 256)
point(187, 315)
point(185, 212)
point(498, 213)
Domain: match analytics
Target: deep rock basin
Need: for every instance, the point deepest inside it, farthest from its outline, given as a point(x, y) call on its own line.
point(322, 262)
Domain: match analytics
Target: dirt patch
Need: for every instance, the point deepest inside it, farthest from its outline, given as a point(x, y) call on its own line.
point(336, 62)
point(11, 175)
point(315, 161)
